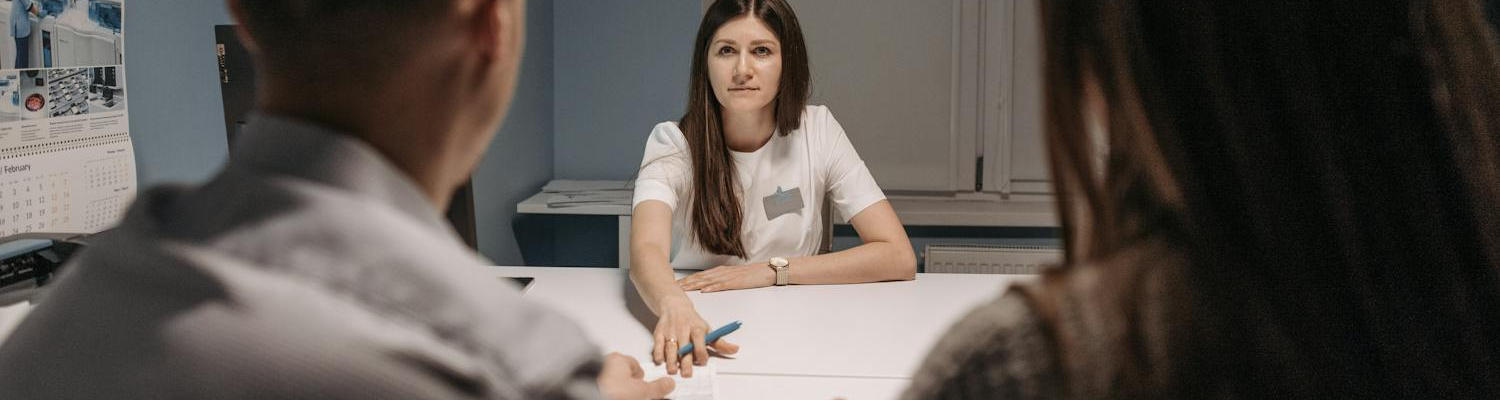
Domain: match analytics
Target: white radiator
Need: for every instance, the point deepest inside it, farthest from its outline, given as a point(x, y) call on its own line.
point(989, 259)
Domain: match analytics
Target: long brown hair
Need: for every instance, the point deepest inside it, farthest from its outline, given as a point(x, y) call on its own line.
point(716, 214)
point(1327, 173)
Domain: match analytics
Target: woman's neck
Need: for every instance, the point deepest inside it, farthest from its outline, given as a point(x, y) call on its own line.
point(747, 131)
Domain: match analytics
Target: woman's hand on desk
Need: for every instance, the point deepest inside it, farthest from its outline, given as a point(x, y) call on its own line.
point(729, 277)
point(623, 379)
point(678, 324)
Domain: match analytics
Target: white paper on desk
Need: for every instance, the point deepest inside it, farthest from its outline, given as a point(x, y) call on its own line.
point(564, 185)
point(10, 318)
point(704, 385)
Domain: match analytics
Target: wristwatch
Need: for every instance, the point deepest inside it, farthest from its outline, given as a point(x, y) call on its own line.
point(780, 265)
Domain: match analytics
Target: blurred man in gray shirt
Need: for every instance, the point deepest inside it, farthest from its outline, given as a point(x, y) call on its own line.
point(316, 264)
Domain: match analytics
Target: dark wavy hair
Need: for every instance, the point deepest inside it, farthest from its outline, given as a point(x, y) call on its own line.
point(1327, 174)
point(716, 214)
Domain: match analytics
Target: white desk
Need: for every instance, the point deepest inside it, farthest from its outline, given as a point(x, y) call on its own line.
point(859, 341)
point(799, 342)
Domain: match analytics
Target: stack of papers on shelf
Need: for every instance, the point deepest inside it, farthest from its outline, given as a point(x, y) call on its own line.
point(567, 186)
point(556, 200)
point(570, 193)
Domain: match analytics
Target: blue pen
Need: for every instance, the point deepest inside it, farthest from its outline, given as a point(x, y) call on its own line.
point(712, 336)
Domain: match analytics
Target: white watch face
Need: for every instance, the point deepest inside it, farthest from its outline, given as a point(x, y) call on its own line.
point(779, 262)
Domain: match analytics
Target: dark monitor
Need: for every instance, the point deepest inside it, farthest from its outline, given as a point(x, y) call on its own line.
point(523, 281)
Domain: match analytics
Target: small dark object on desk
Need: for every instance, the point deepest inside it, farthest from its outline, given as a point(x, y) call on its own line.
point(523, 281)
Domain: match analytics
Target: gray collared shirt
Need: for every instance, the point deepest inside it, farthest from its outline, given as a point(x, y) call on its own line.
point(309, 267)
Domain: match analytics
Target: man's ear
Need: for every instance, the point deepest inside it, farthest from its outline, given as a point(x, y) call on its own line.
point(237, 11)
point(492, 27)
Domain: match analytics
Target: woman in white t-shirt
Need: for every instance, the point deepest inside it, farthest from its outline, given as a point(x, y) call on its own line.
point(742, 178)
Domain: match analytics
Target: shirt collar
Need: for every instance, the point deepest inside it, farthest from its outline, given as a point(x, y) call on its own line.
point(287, 146)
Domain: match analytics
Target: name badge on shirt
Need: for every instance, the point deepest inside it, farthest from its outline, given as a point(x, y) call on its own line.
point(783, 202)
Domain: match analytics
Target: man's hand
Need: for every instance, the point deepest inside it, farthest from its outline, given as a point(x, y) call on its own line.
point(621, 379)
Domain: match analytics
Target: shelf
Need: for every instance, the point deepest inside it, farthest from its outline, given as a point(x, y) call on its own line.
point(923, 211)
point(537, 204)
point(913, 210)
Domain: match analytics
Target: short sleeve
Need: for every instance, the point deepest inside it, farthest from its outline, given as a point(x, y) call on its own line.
point(665, 169)
point(851, 188)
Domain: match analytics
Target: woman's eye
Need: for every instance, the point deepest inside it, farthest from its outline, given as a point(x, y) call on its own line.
point(762, 51)
point(726, 50)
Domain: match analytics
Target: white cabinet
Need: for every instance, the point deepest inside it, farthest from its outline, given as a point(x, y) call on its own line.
point(1013, 137)
point(927, 89)
point(893, 72)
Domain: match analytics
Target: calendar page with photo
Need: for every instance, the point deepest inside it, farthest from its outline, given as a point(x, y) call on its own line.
point(66, 161)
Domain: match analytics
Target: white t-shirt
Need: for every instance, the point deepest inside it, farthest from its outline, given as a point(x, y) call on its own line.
point(782, 186)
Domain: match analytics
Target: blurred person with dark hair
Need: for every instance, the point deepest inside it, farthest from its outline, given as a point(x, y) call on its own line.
point(1297, 200)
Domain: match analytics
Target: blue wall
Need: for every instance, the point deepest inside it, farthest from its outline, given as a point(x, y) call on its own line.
point(176, 113)
point(622, 67)
point(519, 161)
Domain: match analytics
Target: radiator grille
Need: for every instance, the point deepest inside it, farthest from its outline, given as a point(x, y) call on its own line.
point(989, 259)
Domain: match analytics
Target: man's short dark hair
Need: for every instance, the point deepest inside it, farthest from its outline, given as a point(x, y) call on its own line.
point(312, 33)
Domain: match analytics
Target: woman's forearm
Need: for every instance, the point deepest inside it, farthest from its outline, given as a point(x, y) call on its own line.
point(650, 255)
point(653, 278)
point(870, 262)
